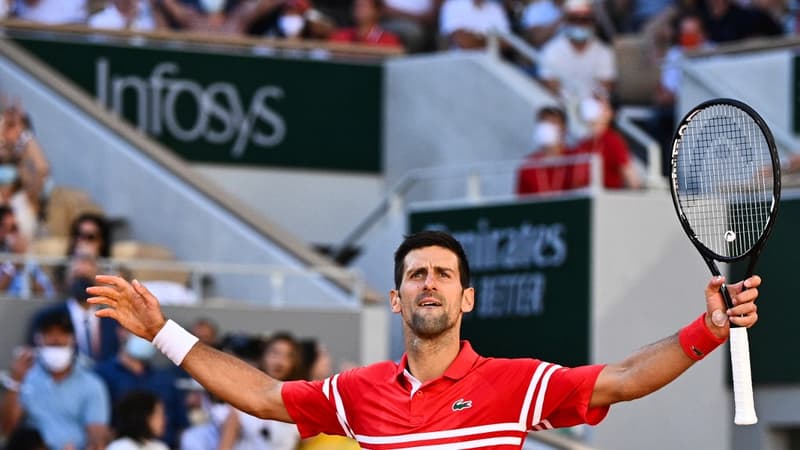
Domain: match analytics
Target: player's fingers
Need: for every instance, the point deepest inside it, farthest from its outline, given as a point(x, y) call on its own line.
point(104, 291)
point(748, 296)
point(105, 301)
point(745, 285)
point(144, 292)
point(752, 282)
point(111, 280)
point(713, 286)
point(745, 321)
point(743, 309)
point(107, 312)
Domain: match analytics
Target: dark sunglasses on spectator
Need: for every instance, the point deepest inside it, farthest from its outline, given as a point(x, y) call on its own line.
point(13, 228)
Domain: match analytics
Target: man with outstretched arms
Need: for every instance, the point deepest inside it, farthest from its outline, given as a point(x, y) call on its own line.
point(441, 392)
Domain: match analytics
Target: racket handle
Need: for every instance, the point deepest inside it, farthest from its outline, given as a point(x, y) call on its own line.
point(745, 411)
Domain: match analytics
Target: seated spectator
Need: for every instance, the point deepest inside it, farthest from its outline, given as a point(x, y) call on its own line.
point(726, 21)
point(467, 23)
point(218, 16)
point(96, 337)
point(25, 438)
point(90, 234)
point(51, 12)
point(125, 15)
point(618, 169)
point(57, 395)
point(315, 360)
point(366, 30)
point(20, 279)
point(139, 421)
point(690, 36)
point(541, 20)
point(575, 63)
point(32, 168)
point(549, 140)
point(286, 19)
point(280, 359)
point(132, 370)
point(413, 21)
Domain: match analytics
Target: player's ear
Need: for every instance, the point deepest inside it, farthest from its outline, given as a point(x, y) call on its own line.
point(394, 300)
point(468, 300)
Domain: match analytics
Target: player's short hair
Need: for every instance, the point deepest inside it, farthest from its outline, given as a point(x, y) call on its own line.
point(430, 239)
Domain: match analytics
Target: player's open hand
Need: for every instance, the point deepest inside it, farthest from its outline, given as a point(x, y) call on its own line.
point(743, 313)
point(130, 304)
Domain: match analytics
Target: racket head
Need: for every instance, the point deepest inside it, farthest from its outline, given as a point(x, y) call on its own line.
point(725, 179)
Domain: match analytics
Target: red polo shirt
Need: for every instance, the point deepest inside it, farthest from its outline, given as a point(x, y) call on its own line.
point(613, 150)
point(479, 402)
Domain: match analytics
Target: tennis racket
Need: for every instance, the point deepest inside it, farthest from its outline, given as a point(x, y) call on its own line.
point(726, 186)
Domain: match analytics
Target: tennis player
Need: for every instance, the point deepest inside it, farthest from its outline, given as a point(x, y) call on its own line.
point(441, 392)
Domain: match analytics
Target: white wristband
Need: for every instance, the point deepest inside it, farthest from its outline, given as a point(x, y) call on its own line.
point(174, 342)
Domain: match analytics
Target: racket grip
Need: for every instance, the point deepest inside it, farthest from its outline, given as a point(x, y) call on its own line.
point(744, 406)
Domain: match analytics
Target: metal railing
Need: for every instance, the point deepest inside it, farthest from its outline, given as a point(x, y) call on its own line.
point(625, 121)
point(272, 284)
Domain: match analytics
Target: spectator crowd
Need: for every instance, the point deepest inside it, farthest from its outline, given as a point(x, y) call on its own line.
point(80, 382)
point(60, 394)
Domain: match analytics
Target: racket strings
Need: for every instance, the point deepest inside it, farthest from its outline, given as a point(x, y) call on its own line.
point(725, 185)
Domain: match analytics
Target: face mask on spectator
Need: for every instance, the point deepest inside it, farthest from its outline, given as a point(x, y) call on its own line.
point(546, 134)
point(78, 288)
point(56, 358)
point(691, 40)
point(139, 348)
point(291, 24)
point(212, 6)
point(578, 33)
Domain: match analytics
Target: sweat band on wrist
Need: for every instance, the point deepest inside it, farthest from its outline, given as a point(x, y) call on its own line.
point(174, 342)
point(697, 340)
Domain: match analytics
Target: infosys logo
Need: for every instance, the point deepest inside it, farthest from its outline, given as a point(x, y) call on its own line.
point(236, 122)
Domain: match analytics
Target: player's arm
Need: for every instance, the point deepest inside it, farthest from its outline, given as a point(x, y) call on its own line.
point(655, 365)
point(228, 378)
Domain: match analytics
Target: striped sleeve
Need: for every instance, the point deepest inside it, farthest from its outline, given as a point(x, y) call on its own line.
point(314, 407)
point(559, 397)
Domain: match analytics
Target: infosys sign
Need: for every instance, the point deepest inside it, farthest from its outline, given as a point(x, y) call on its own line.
point(234, 109)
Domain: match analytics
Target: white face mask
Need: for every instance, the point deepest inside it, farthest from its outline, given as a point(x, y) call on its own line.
point(291, 25)
point(56, 358)
point(212, 6)
point(546, 134)
point(139, 348)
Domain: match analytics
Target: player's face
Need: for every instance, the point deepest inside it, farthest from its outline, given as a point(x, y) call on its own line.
point(431, 298)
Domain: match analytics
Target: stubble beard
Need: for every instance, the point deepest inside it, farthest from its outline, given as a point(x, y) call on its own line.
point(427, 327)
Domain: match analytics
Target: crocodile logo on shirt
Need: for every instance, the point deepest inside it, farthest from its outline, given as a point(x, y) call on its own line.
point(462, 404)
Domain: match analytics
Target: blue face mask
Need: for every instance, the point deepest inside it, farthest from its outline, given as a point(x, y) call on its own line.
point(138, 348)
point(578, 33)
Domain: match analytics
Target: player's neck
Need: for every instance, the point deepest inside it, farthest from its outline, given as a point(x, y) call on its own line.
point(428, 359)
